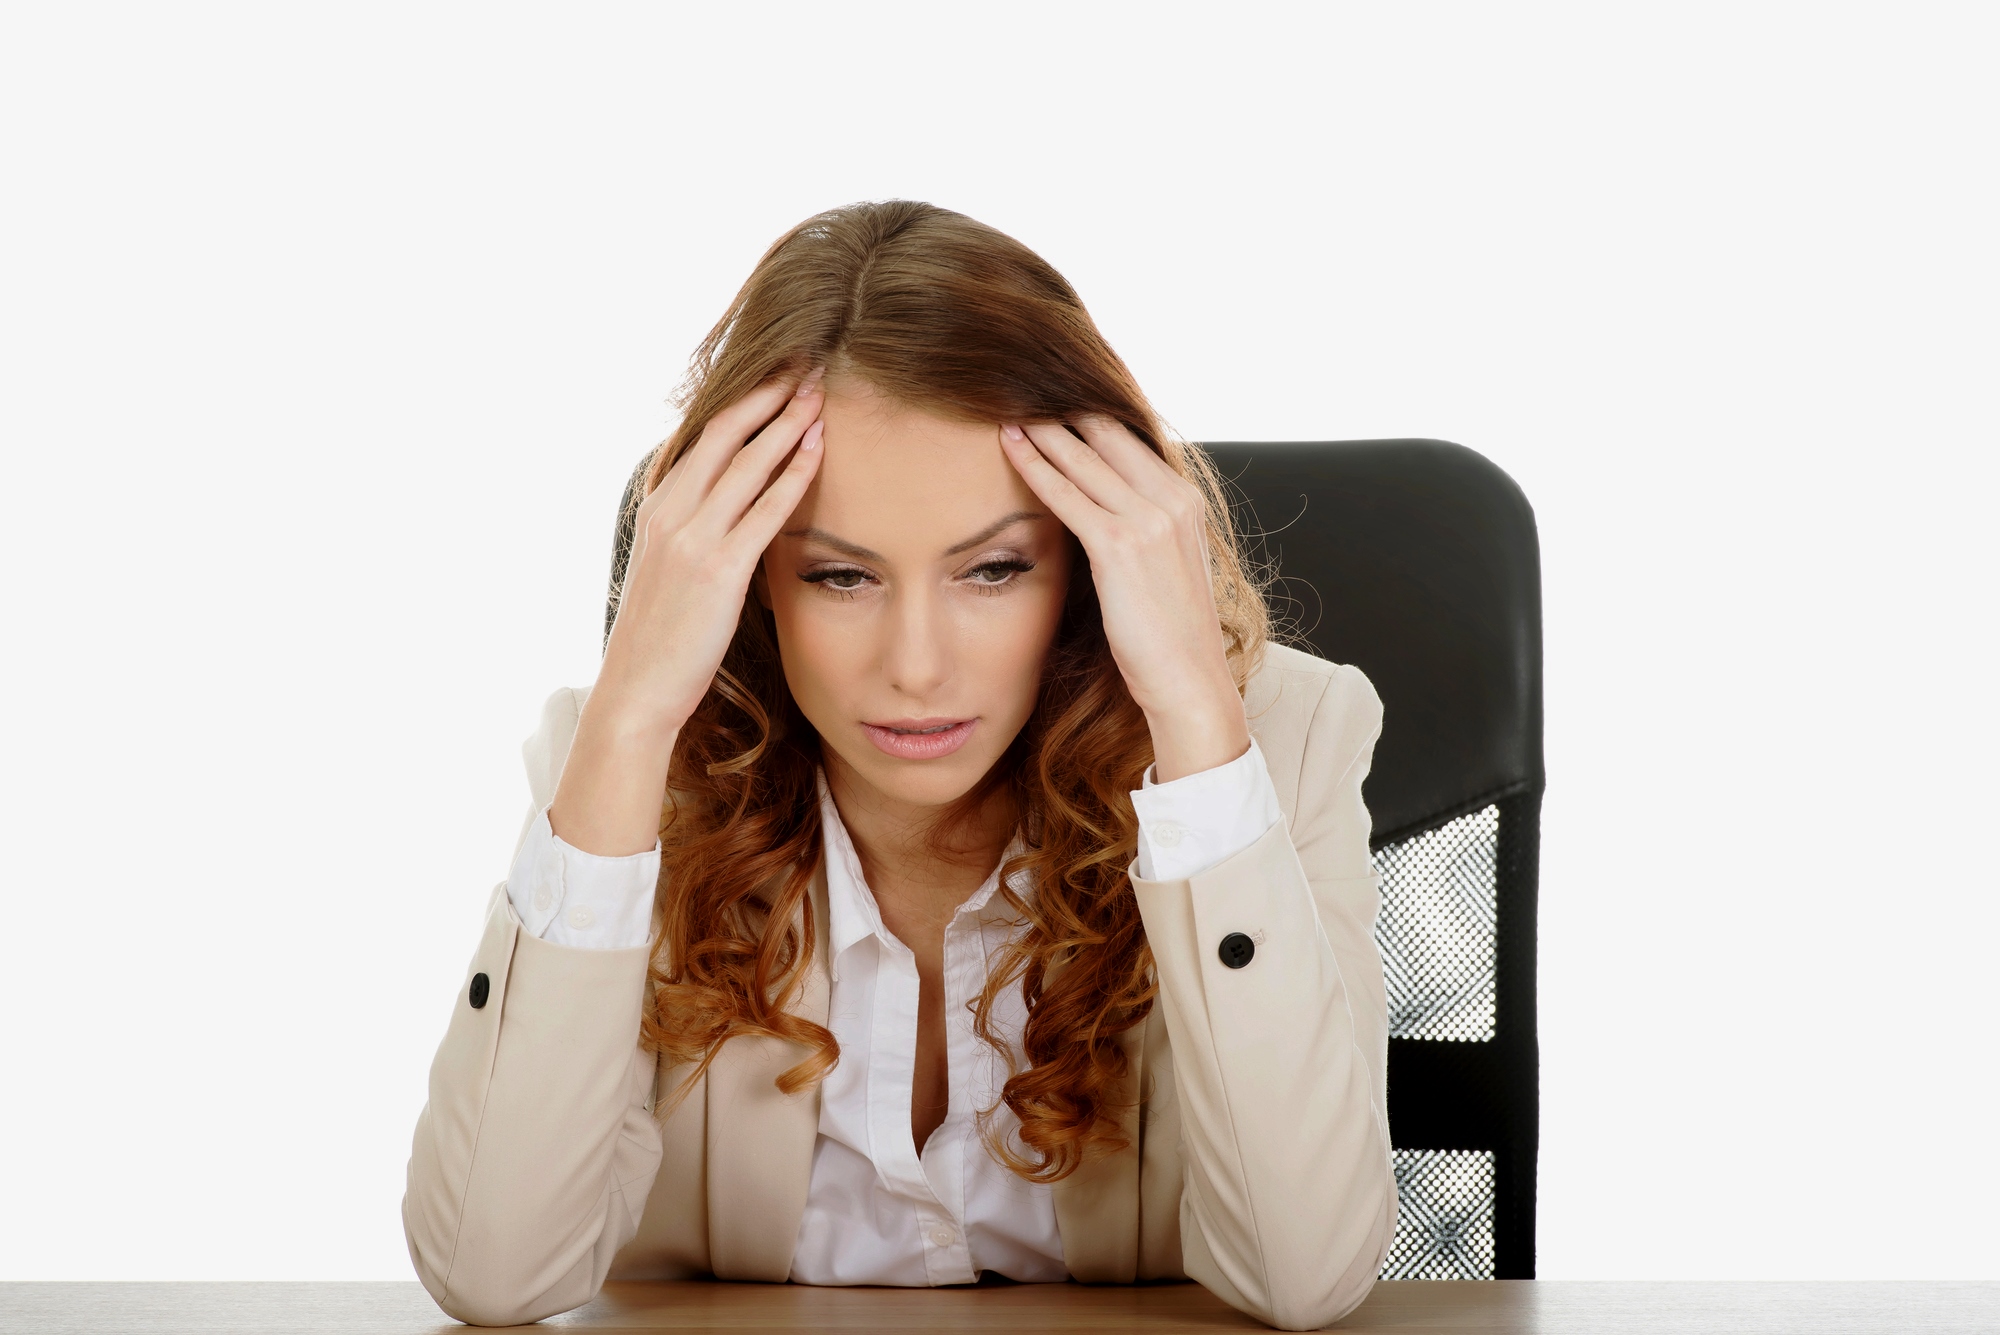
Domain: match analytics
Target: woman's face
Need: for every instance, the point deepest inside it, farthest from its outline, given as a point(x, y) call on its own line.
point(917, 589)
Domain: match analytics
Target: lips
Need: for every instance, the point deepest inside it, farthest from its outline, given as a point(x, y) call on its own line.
point(920, 738)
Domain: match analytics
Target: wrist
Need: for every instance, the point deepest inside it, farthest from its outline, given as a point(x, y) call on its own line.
point(608, 799)
point(1198, 737)
point(623, 720)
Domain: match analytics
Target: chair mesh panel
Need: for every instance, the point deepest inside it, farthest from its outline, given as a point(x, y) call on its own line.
point(1444, 1219)
point(1436, 929)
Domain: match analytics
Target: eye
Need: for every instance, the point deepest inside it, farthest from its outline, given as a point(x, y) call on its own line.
point(838, 579)
point(995, 574)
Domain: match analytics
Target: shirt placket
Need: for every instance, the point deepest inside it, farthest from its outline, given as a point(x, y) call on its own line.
point(946, 1165)
point(891, 1080)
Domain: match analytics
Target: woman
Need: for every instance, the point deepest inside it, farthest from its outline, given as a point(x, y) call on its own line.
point(943, 876)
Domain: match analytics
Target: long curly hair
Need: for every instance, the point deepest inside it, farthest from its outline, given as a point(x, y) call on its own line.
point(943, 313)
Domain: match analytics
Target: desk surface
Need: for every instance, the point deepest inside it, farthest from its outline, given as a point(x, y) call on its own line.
point(1407, 1308)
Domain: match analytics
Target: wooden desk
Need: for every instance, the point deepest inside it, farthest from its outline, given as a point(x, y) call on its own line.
point(1408, 1308)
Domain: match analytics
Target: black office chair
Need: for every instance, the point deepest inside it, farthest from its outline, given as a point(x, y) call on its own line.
point(1417, 561)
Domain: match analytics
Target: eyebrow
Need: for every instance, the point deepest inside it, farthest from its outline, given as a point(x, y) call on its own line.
point(860, 553)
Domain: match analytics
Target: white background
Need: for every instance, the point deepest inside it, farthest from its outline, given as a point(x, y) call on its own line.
point(329, 337)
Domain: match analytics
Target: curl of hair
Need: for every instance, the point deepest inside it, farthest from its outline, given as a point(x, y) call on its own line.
point(946, 314)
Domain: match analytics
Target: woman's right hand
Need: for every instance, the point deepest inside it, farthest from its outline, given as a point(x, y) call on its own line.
point(697, 539)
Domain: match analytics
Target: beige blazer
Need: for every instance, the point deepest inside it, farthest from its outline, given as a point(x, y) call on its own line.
point(1259, 1127)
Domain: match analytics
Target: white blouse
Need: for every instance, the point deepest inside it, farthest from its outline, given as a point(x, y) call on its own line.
point(877, 1210)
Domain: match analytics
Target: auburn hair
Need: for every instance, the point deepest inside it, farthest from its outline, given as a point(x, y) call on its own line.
point(946, 314)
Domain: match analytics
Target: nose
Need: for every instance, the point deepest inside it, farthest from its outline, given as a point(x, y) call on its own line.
point(918, 656)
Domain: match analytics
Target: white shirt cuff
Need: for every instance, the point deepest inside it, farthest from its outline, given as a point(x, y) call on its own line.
point(1197, 822)
point(572, 898)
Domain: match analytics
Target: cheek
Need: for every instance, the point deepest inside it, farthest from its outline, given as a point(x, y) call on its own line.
point(817, 653)
point(1004, 645)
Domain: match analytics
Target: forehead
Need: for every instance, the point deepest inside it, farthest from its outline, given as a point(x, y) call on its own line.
point(905, 481)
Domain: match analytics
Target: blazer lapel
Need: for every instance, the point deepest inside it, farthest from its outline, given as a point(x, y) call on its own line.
point(760, 1142)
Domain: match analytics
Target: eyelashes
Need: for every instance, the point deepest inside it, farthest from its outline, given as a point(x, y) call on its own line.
point(825, 578)
point(1005, 568)
point(988, 577)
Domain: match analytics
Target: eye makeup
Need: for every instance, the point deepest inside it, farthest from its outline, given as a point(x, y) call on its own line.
point(833, 579)
point(988, 576)
point(997, 573)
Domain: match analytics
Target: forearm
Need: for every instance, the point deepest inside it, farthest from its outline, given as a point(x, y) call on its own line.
point(535, 1151)
point(1289, 1196)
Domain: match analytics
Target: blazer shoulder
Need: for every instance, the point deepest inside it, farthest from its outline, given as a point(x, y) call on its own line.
point(1307, 714)
point(1291, 685)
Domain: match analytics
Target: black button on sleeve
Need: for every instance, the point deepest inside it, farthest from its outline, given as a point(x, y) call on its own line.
point(1236, 950)
point(480, 986)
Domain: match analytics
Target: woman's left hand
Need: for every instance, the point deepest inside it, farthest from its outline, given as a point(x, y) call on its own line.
point(1145, 530)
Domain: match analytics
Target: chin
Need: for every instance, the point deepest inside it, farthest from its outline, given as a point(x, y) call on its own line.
point(925, 782)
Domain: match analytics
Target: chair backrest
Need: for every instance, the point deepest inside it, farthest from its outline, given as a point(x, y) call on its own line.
point(1417, 561)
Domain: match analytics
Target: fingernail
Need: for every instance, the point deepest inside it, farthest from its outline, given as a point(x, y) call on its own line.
point(813, 433)
point(1012, 432)
point(811, 382)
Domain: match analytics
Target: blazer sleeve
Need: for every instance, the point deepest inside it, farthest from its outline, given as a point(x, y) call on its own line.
point(1289, 1202)
point(535, 1153)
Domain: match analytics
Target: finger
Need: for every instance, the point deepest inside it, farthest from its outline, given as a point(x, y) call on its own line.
point(720, 449)
point(1083, 516)
point(750, 470)
point(1144, 471)
point(1083, 466)
point(761, 522)
point(673, 490)
point(730, 428)
point(740, 420)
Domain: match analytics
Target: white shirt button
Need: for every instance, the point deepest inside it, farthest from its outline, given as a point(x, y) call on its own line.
point(1167, 834)
point(581, 917)
point(943, 1236)
point(543, 899)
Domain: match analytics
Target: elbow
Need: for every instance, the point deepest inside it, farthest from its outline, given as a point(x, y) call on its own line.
point(430, 1253)
point(482, 1286)
point(1319, 1312)
point(1318, 1296)
point(484, 1299)
point(1310, 1301)
point(1308, 1278)
point(477, 1309)
point(493, 1308)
